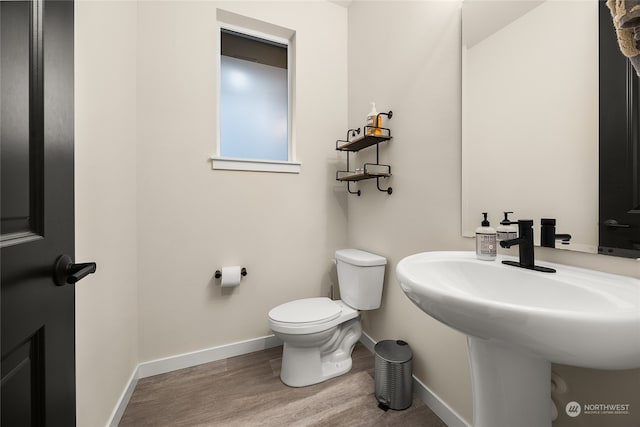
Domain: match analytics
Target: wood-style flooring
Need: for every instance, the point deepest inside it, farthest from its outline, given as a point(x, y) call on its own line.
point(246, 391)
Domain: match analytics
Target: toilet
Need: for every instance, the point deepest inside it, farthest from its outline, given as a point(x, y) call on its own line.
point(319, 333)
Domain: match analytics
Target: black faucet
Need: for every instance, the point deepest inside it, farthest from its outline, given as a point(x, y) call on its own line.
point(525, 247)
point(548, 234)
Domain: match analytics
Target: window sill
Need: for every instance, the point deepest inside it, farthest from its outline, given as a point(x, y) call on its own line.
point(225, 163)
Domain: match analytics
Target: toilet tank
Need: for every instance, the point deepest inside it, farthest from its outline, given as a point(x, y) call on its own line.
point(360, 278)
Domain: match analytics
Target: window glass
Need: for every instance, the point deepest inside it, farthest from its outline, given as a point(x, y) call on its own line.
point(254, 95)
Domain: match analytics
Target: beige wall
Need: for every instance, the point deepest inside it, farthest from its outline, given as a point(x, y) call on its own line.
point(159, 221)
point(411, 65)
point(284, 228)
point(105, 194)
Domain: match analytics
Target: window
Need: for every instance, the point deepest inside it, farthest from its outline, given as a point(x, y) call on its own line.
point(254, 102)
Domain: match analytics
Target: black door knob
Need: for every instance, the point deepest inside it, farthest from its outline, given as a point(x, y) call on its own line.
point(65, 272)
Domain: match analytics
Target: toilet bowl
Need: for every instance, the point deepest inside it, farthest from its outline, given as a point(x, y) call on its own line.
point(318, 336)
point(319, 333)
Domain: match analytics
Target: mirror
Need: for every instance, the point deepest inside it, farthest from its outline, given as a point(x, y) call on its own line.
point(530, 115)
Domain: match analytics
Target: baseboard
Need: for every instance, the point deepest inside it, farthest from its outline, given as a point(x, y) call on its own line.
point(118, 412)
point(450, 417)
point(187, 360)
point(367, 341)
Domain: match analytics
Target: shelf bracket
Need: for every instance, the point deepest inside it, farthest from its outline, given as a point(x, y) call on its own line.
point(352, 192)
point(389, 114)
point(388, 190)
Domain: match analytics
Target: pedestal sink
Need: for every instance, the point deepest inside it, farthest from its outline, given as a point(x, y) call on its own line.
point(520, 321)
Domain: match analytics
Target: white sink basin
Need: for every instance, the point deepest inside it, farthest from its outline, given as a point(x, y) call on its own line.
point(519, 320)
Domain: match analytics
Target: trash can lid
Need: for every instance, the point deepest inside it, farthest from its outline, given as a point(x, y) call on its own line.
point(394, 351)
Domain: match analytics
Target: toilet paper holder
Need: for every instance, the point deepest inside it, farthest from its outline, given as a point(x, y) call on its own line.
point(218, 274)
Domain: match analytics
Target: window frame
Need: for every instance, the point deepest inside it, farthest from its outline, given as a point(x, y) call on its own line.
point(258, 165)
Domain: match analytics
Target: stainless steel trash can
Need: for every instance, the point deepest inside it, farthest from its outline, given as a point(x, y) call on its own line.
point(393, 374)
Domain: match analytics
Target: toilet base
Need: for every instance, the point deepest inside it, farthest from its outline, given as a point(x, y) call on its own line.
point(303, 366)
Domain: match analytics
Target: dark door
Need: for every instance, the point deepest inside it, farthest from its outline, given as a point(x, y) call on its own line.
point(619, 195)
point(36, 122)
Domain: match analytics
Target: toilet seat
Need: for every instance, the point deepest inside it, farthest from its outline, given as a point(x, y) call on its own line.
point(309, 315)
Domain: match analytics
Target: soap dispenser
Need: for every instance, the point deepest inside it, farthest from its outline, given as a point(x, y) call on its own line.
point(486, 240)
point(506, 230)
point(374, 121)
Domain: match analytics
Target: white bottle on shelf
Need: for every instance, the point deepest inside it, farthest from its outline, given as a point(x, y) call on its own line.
point(373, 121)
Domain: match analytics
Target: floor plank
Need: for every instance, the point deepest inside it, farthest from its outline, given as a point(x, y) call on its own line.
point(246, 391)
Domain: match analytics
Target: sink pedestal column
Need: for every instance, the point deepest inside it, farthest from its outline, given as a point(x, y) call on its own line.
point(510, 387)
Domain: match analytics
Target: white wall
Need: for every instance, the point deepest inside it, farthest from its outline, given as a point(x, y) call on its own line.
point(406, 57)
point(105, 194)
point(284, 228)
point(411, 65)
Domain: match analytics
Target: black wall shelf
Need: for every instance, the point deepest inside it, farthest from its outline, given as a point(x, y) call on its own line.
point(373, 136)
point(365, 141)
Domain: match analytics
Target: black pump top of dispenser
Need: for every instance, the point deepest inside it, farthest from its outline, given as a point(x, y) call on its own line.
point(506, 220)
point(485, 221)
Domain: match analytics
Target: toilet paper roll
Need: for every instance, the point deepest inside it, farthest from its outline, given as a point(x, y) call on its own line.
point(230, 276)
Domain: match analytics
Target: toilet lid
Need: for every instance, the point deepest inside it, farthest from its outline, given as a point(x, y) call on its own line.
point(308, 310)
